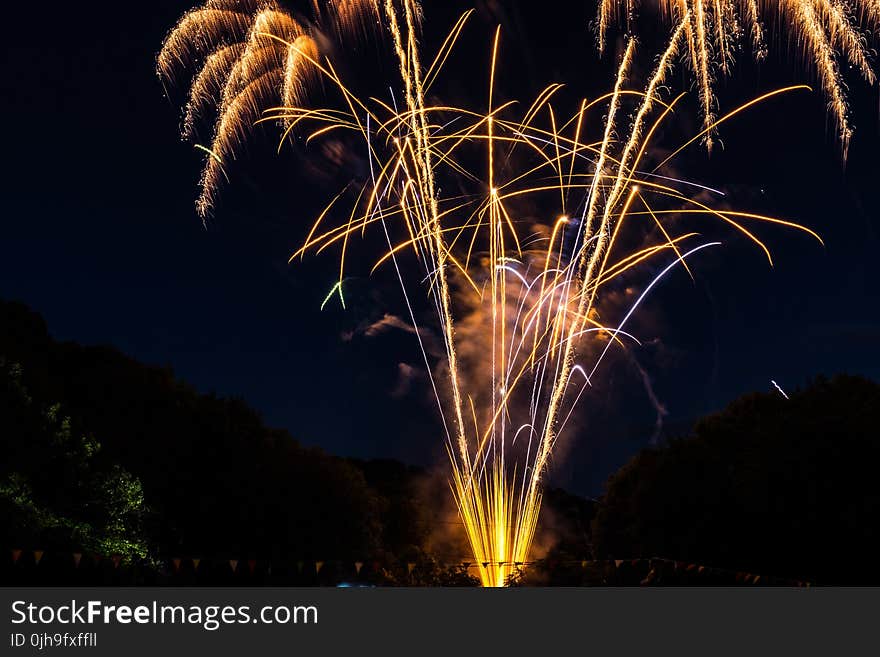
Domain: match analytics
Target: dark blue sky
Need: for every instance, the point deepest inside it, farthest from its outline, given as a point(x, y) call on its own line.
point(100, 236)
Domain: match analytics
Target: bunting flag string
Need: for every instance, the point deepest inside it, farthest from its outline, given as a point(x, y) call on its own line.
point(648, 570)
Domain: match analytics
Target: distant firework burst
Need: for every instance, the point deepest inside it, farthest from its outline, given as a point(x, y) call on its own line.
point(516, 299)
point(827, 33)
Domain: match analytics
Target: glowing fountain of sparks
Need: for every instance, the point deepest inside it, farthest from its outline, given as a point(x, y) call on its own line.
point(534, 299)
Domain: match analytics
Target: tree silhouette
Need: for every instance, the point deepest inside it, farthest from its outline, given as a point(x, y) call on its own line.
point(219, 482)
point(770, 485)
point(55, 487)
point(104, 454)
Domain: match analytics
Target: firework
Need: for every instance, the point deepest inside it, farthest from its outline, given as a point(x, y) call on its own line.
point(516, 300)
point(251, 53)
point(826, 32)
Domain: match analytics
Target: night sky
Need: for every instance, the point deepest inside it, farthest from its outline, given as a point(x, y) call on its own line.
point(101, 237)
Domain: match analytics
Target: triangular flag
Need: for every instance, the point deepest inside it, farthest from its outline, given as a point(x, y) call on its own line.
point(409, 568)
point(318, 566)
point(233, 563)
point(38, 556)
point(467, 565)
point(358, 565)
point(16, 555)
point(116, 559)
point(176, 562)
point(77, 557)
point(196, 563)
point(617, 562)
point(485, 564)
point(252, 565)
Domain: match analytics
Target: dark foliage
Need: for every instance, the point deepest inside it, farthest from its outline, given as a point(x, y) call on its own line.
point(217, 480)
point(56, 488)
point(103, 455)
point(400, 491)
point(768, 485)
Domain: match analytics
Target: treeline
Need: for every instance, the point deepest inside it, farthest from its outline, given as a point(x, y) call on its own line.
point(102, 454)
point(212, 476)
point(773, 485)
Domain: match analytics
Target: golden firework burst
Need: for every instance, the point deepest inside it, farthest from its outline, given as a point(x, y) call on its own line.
point(247, 54)
point(516, 300)
point(826, 33)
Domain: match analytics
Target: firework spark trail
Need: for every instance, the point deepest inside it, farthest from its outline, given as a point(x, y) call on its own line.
point(248, 52)
point(513, 312)
point(828, 32)
point(781, 391)
point(624, 176)
point(410, 69)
